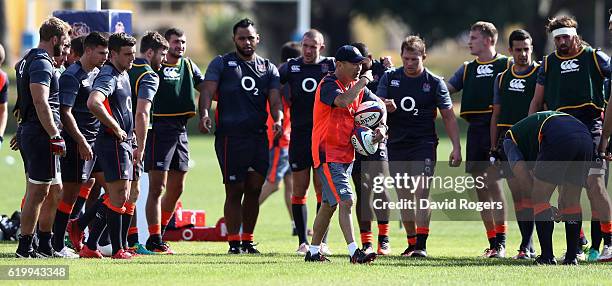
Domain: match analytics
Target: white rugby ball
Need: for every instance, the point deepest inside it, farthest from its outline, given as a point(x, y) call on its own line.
point(369, 114)
point(362, 140)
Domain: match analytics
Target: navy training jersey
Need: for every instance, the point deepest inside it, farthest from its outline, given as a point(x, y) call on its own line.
point(36, 67)
point(242, 93)
point(75, 87)
point(303, 80)
point(417, 100)
point(115, 86)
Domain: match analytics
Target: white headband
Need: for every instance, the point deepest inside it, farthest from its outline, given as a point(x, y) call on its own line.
point(564, 31)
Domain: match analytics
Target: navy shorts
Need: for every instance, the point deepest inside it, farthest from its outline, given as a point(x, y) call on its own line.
point(335, 178)
point(380, 155)
point(478, 145)
point(300, 151)
point(279, 164)
point(42, 166)
point(75, 169)
point(237, 155)
point(594, 125)
point(115, 158)
point(167, 146)
point(568, 162)
point(413, 159)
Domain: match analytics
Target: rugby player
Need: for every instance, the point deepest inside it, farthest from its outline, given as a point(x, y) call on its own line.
point(144, 82)
point(535, 139)
point(571, 79)
point(38, 89)
point(80, 128)
point(279, 149)
point(167, 156)
point(111, 102)
point(302, 75)
point(376, 164)
point(476, 79)
point(512, 93)
point(414, 96)
point(242, 83)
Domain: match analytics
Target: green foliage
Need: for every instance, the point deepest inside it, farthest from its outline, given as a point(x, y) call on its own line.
point(218, 31)
point(439, 19)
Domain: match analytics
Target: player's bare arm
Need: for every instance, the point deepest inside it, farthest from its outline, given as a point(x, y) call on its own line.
point(70, 126)
point(142, 117)
point(95, 103)
point(276, 110)
point(40, 97)
point(452, 130)
point(209, 88)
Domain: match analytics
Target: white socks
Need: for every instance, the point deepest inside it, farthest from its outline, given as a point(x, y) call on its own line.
point(314, 249)
point(352, 247)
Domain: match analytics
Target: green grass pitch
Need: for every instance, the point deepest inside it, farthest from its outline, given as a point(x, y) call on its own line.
point(453, 247)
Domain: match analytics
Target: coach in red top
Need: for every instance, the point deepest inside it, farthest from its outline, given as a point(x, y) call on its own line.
point(336, 100)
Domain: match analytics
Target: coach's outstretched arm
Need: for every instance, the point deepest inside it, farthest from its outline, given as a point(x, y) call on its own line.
point(346, 98)
point(95, 103)
point(206, 94)
point(538, 99)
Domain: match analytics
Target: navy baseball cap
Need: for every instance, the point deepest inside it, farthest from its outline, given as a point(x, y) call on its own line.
point(348, 53)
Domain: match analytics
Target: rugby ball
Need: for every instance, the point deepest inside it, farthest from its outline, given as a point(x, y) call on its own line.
point(369, 114)
point(362, 140)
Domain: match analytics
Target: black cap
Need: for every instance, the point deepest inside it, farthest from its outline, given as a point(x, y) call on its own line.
point(348, 53)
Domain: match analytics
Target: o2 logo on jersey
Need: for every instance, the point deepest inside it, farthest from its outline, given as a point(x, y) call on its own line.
point(248, 84)
point(484, 70)
point(408, 104)
point(309, 82)
point(171, 73)
point(517, 84)
point(570, 66)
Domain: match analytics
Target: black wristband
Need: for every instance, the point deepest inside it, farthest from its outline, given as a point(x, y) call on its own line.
point(1, 139)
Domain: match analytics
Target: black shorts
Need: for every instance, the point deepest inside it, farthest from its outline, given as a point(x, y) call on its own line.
point(42, 166)
point(568, 162)
point(75, 169)
point(594, 125)
point(413, 159)
point(237, 155)
point(300, 151)
point(116, 159)
point(478, 145)
point(380, 155)
point(167, 146)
